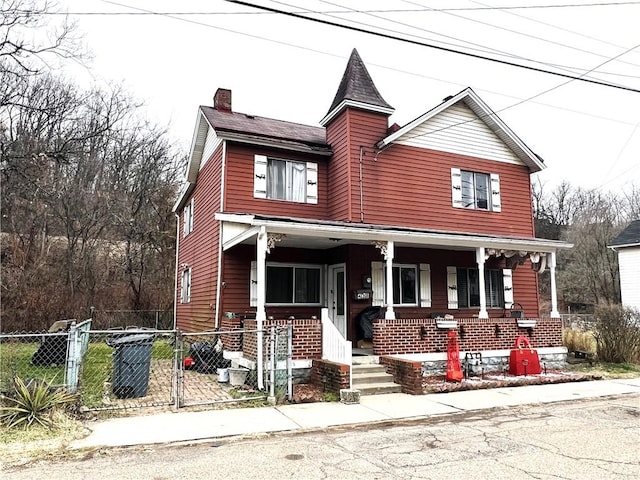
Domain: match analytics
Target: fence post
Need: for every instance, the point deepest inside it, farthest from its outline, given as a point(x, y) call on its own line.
point(272, 364)
point(178, 373)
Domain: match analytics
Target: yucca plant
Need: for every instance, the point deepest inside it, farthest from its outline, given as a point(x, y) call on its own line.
point(31, 404)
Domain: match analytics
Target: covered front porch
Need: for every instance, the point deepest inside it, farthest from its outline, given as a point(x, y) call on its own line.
point(483, 286)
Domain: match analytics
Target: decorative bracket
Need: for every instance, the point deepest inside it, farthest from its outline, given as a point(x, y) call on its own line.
point(382, 246)
point(272, 239)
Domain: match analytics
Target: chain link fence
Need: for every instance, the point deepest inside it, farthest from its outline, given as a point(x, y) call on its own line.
point(132, 368)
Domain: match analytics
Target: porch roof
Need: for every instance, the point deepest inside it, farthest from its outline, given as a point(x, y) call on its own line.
point(241, 228)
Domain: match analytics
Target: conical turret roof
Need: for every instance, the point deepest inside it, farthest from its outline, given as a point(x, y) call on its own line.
point(357, 88)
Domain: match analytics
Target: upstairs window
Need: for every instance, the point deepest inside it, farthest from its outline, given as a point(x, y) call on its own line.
point(280, 179)
point(475, 190)
point(187, 226)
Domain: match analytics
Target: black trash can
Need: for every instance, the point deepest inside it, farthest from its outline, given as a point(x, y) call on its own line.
point(131, 365)
point(365, 321)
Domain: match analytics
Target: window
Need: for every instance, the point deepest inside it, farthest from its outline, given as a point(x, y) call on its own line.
point(475, 190)
point(185, 294)
point(280, 179)
point(187, 217)
point(289, 284)
point(411, 283)
point(468, 288)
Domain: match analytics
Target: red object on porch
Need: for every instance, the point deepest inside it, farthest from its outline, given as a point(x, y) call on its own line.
point(454, 370)
point(524, 361)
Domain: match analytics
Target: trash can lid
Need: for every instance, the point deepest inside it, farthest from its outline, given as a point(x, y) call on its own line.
point(132, 339)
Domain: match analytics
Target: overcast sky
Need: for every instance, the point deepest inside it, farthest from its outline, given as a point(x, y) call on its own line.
point(289, 69)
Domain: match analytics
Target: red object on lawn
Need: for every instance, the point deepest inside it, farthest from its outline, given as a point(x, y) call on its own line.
point(454, 370)
point(188, 363)
point(524, 361)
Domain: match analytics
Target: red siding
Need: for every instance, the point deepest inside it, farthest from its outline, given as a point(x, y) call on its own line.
point(239, 184)
point(350, 132)
point(199, 250)
point(412, 186)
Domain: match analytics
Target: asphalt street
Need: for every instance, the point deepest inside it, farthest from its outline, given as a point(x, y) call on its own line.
point(584, 439)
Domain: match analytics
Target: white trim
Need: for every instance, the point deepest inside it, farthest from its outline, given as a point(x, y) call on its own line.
point(368, 233)
point(355, 104)
point(494, 192)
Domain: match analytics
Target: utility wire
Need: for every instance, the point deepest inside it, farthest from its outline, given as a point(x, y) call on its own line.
point(393, 10)
point(437, 47)
point(516, 32)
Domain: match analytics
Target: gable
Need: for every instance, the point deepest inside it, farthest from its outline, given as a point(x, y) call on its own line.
point(477, 128)
point(459, 130)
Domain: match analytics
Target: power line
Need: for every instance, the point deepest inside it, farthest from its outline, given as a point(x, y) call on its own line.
point(393, 10)
point(437, 47)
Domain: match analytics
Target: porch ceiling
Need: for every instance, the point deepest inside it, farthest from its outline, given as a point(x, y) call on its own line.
point(321, 235)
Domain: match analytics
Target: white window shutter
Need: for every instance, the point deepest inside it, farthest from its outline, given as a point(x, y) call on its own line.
point(260, 176)
point(452, 287)
point(456, 187)
point(185, 219)
point(425, 285)
point(507, 280)
point(191, 215)
point(253, 285)
point(377, 283)
point(312, 182)
point(496, 206)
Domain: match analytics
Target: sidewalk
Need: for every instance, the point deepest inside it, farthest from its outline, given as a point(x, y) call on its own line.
point(193, 426)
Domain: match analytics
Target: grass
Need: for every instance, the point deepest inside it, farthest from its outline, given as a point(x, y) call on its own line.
point(606, 370)
point(97, 368)
point(578, 340)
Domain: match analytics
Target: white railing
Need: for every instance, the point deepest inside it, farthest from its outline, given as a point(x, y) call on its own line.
point(334, 346)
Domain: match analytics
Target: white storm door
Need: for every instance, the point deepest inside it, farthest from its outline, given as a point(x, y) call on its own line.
point(338, 297)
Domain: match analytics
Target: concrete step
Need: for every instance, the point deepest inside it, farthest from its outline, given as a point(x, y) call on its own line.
point(366, 369)
point(373, 377)
point(378, 388)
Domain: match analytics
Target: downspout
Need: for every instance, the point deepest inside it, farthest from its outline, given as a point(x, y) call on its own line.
point(175, 280)
point(361, 188)
point(220, 252)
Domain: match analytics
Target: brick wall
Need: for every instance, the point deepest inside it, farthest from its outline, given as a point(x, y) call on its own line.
point(406, 373)
point(402, 336)
point(232, 341)
point(307, 337)
point(330, 376)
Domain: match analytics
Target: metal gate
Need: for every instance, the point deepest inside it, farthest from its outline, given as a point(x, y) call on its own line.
point(208, 363)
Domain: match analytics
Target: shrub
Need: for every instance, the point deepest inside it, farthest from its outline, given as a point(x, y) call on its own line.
point(32, 403)
point(617, 334)
point(578, 340)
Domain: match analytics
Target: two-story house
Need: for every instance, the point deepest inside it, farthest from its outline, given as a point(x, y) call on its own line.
point(281, 222)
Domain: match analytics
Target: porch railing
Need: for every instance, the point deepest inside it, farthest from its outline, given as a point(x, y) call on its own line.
point(335, 347)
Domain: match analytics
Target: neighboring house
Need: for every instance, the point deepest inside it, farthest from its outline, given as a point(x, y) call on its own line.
point(282, 222)
point(627, 244)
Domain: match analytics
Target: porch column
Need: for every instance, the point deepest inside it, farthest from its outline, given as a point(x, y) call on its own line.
point(483, 298)
point(388, 255)
point(551, 261)
point(261, 313)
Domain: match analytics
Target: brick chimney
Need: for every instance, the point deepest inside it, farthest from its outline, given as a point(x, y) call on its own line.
point(222, 100)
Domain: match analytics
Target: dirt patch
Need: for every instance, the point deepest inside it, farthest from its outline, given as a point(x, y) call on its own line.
point(307, 393)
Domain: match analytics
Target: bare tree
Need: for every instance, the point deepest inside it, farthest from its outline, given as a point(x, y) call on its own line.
point(28, 37)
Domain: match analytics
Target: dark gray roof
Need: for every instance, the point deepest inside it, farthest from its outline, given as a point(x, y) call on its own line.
point(629, 236)
point(356, 85)
point(254, 125)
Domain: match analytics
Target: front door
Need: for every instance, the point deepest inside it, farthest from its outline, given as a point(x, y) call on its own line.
point(337, 297)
